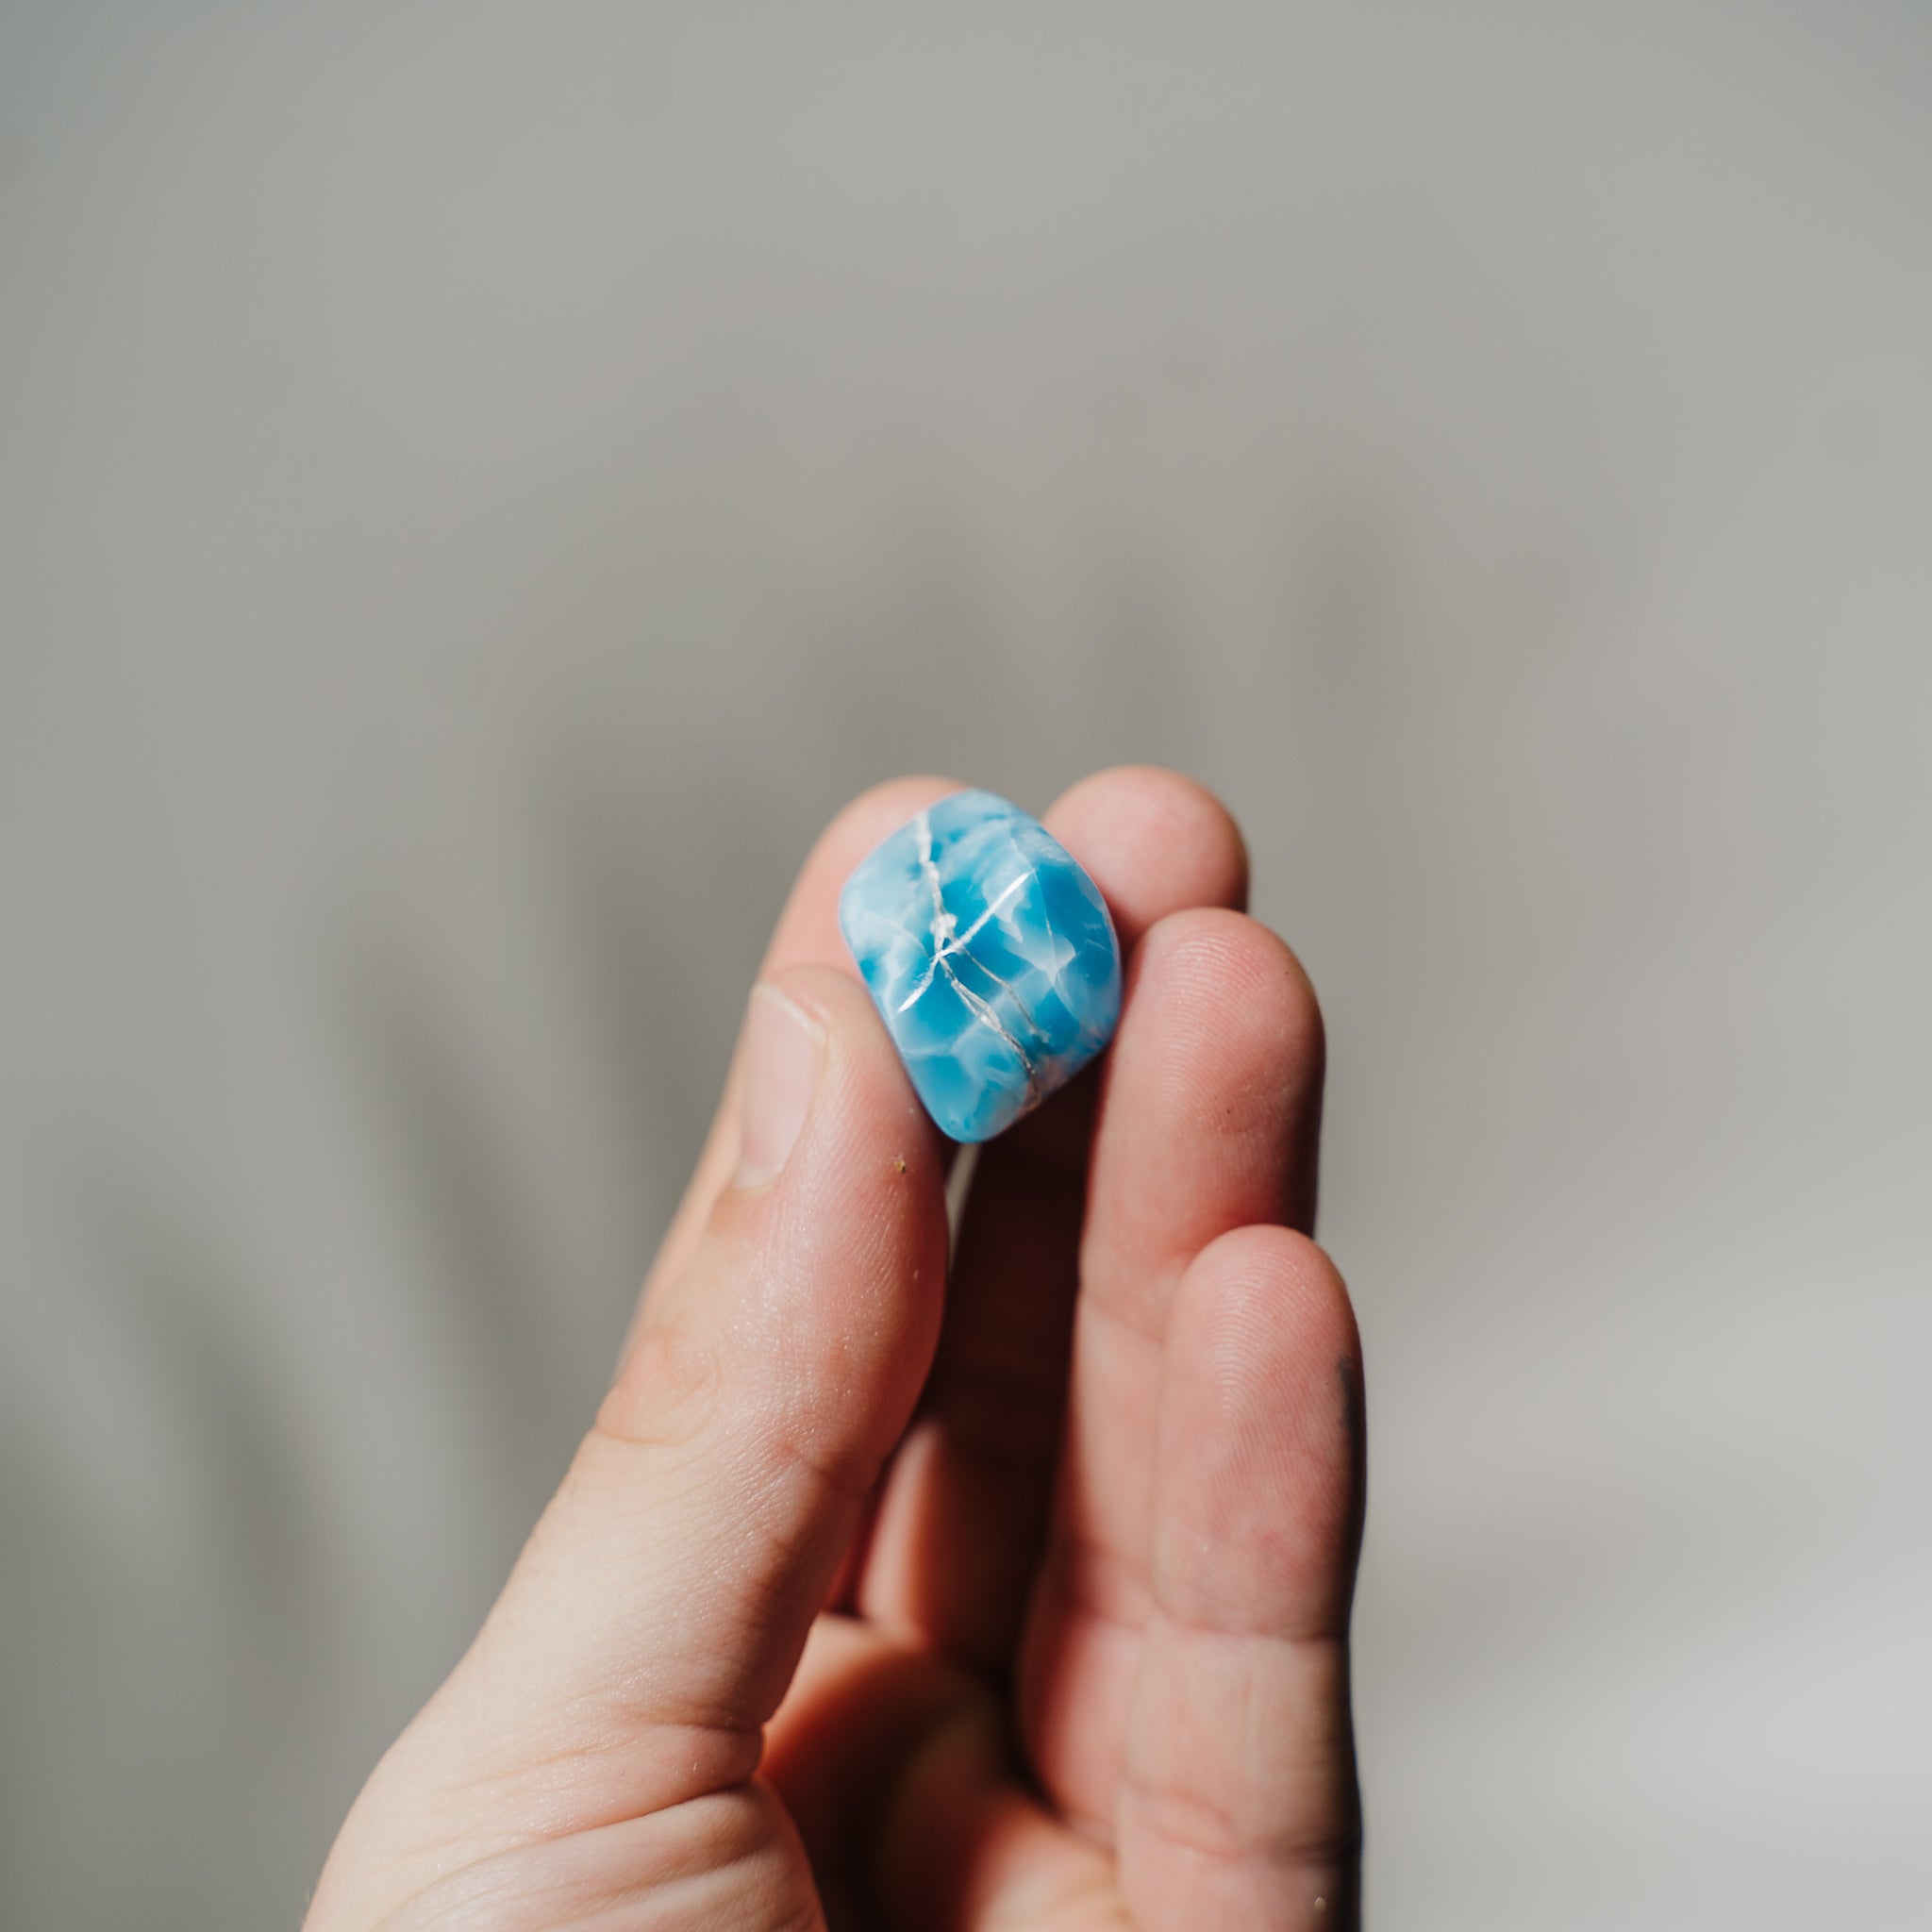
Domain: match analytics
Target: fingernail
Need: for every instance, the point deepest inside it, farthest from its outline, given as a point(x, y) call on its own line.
point(784, 1050)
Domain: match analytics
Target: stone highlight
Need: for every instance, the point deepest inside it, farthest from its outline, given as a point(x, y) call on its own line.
point(991, 957)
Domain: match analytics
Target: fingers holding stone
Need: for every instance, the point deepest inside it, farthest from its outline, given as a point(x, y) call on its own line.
point(960, 1522)
point(1151, 840)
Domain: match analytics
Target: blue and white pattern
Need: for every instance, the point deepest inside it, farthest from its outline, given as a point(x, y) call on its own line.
point(991, 957)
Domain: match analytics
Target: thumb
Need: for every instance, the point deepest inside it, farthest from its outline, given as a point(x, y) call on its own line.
point(655, 1616)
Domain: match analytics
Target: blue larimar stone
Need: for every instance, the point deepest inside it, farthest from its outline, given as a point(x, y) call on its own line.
point(989, 954)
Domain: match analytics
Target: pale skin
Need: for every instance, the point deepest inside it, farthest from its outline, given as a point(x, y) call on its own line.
point(1011, 1596)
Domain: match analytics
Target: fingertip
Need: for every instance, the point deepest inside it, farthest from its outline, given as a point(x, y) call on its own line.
point(1263, 1428)
point(1210, 1109)
point(1269, 1300)
point(868, 1199)
point(1226, 974)
point(806, 933)
point(871, 1144)
point(1155, 841)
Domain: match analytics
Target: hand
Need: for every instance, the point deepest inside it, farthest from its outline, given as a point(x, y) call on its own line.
point(879, 1594)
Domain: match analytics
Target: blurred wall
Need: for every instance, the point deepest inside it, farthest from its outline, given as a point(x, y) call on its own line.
point(478, 485)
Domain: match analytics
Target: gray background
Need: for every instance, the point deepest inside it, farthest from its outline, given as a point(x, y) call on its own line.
point(478, 486)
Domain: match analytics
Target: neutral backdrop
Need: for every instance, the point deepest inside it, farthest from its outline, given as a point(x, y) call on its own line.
point(479, 485)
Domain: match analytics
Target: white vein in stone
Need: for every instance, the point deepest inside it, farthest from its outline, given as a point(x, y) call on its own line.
point(983, 1012)
point(946, 941)
point(939, 915)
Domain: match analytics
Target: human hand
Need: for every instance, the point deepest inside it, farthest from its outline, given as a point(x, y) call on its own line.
point(1011, 1596)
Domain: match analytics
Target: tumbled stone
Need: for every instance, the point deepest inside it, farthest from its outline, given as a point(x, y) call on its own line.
point(991, 958)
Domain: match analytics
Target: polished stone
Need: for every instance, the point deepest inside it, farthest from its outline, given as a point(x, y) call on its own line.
point(991, 958)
